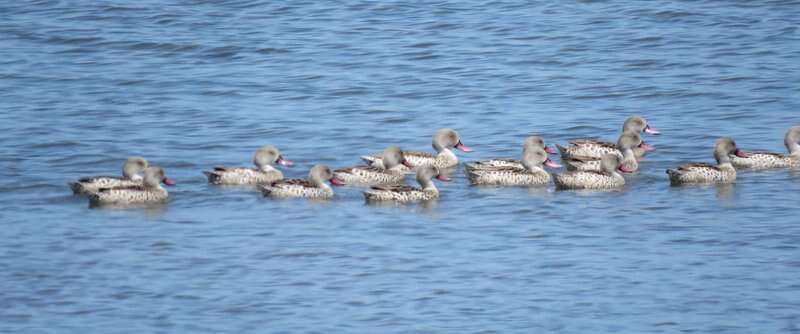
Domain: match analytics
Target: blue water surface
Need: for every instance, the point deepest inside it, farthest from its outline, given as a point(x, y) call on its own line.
point(194, 84)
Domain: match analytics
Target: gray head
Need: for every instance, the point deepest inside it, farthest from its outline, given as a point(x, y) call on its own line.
point(638, 124)
point(393, 156)
point(535, 158)
point(133, 166)
point(632, 140)
point(533, 142)
point(792, 140)
point(612, 163)
point(536, 142)
point(268, 155)
point(724, 148)
point(448, 138)
point(319, 174)
point(426, 173)
point(153, 176)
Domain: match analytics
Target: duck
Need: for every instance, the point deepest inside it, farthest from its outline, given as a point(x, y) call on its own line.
point(313, 187)
point(608, 177)
point(766, 160)
point(597, 148)
point(698, 172)
point(443, 140)
point(407, 194)
point(533, 174)
point(393, 160)
point(264, 172)
point(150, 191)
point(131, 170)
point(627, 144)
point(530, 143)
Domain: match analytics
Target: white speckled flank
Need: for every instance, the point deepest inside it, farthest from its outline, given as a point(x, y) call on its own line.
point(724, 172)
point(530, 143)
point(533, 173)
point(766, 160)
point(130, 177)
point(393, 158)
point(264, 173)
point(314, 187)
point(592, 148)
point(408, 194)
point(608, 178)
point(627, 144)
point(150, 191)
point(443, 141)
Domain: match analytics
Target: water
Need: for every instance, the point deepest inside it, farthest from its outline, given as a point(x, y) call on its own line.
point(193, 84)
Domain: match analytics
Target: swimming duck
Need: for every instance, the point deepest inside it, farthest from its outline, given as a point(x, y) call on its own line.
point(530, 143)
point(408, 194)
point(443, 140)
point(628, 142)
point(264, 172)
point(699, 172)
point(608, 178)
point(150, 191)
point(597, 148)
point(130, 177)
point(533, 174)
point(314, 187)
point(764, 160)
point(393, 159)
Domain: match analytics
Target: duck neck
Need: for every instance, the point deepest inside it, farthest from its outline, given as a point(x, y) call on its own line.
point(319, 183)
point(629, 159)
point(794, 149)
point(266, 168)
point(447, 153)
point(427, 184)
point(151, 183)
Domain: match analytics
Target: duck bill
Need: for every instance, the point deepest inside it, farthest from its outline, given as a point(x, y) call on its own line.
point(168, 182)
point(550, 150)
point(463, 148)
point(551, 164)
point(651, 131)
point(283, 162)
point(443, 178)
point(741, 154)
point(336, 181)
point(408, 164)
point(624, 169)
point(647, 147)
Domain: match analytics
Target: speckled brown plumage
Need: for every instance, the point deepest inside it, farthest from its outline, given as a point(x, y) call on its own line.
point(508, 176)
point(703, 173)
point(149, 192)
point(314, 187)
point(242, 176)
point(130, 177)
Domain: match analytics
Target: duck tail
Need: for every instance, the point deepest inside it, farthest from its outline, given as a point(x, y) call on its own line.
point(76, 187)
point(368, 159)
point(562, 150)
point(213, 177)
point(266, 190)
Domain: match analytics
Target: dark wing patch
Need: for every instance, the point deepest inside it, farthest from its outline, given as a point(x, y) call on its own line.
point(418, 154)
point(777, 155)
point(126, 188)
point(592, 142)
point(697, 165)
point(580, 158)
point(396, 188)
point(293, 182)
point(92, 179)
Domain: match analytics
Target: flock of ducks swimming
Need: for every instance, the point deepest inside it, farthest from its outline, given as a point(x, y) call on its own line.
point(590, 164)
